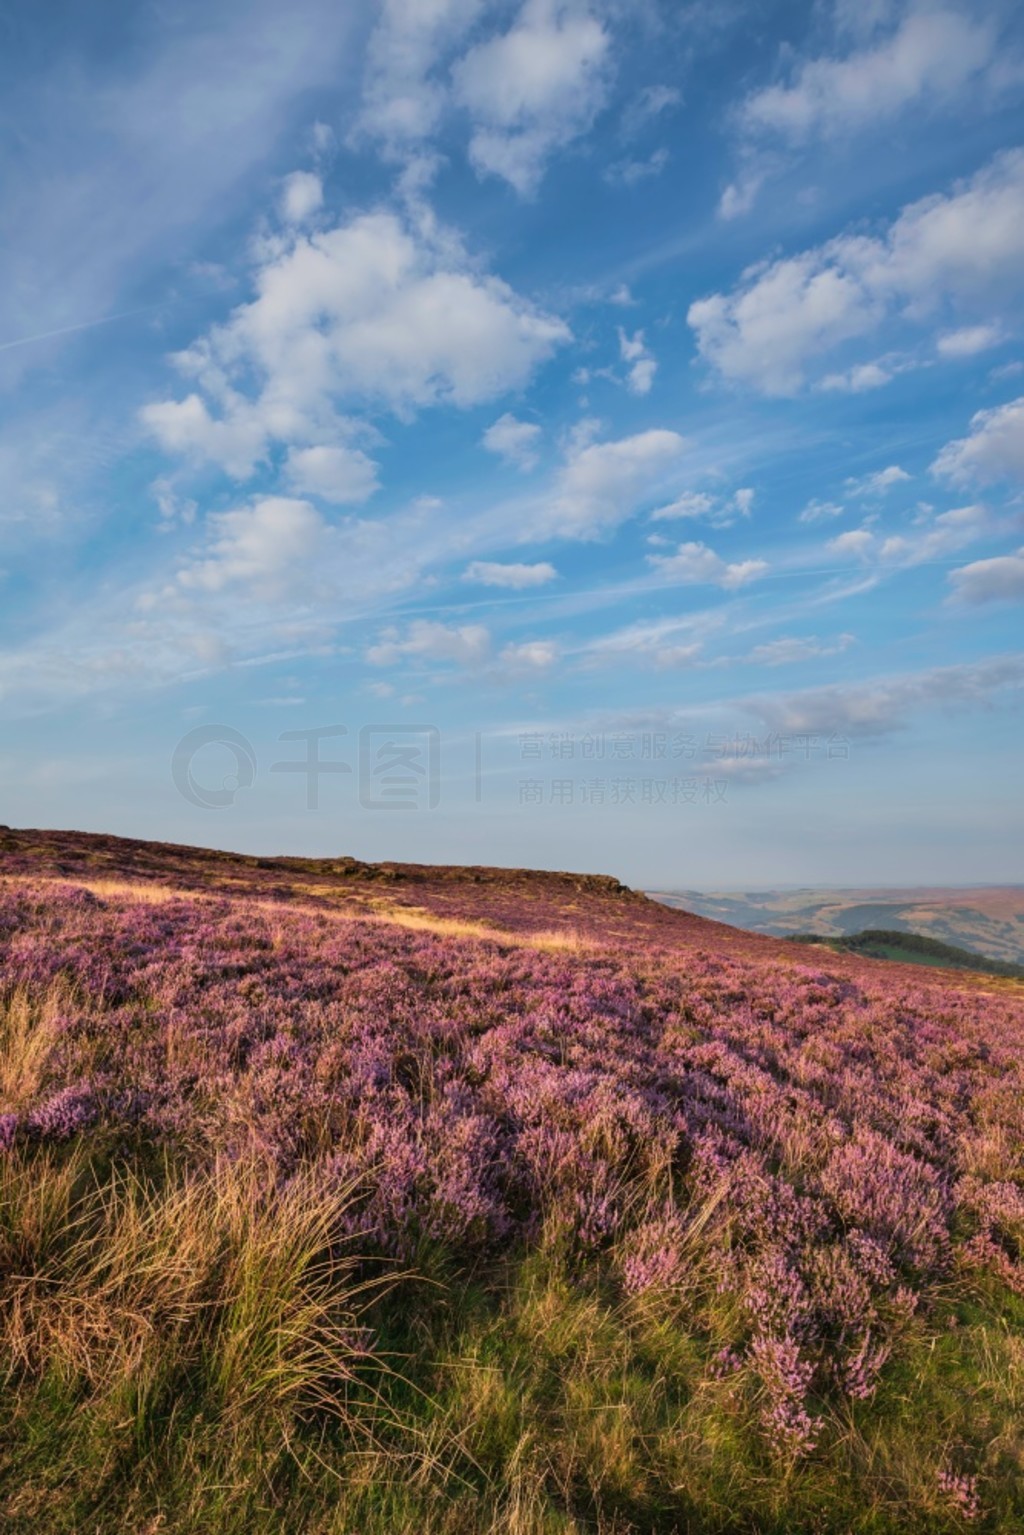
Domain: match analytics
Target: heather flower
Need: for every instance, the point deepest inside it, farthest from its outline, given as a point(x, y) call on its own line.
point(67, 1113)
point(961, 1492)
point(654, 1260)
point(828, 1144)
point(725, 1363)
point(785, 1377)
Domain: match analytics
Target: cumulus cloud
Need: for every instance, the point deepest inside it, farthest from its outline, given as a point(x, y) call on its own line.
point(719, 511)
point(858, 379)
point(427, 640)
point(642, 366)
point(267, 548)
point(693, 503)
point(236, 441)
point(932, 56)
point(301, 197)
point(993, 449)
point(821, 511)
point(739, 196)
point(514, 441)
point(515, 578)
point(533, 88)
point(964, 248)
point(372, 313)
point(695, 564)
point(857, 541)
point(968, 341)
point(338, 474)
point(530, 656)
point(403, 95)
point(603, 483)
point(874, 485)
point(933, 538)
point(997, 580)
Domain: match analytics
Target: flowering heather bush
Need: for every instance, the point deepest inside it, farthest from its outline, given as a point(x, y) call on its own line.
point(800, 1159)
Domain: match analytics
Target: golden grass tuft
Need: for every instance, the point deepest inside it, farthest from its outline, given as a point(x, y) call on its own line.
point(123, 1289)
point(28, 1036)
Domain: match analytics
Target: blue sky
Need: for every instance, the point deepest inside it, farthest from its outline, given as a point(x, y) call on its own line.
point(611, 412)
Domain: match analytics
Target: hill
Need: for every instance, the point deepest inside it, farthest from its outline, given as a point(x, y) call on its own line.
point(984, 920)
point(349, 1197)
point(912, 949)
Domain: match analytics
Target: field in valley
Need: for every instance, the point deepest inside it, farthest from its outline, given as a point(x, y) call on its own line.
point(343, 1198)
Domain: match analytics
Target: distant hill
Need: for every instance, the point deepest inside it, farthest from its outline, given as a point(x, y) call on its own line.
point(913, 949)
point(986, 920)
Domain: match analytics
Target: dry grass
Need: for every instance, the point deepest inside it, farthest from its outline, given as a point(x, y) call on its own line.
point(418, 919)
point(29, 1029)
point(128, 892)
point(117, 1286)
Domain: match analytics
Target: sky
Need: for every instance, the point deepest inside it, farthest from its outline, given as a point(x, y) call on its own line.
point(564, 433)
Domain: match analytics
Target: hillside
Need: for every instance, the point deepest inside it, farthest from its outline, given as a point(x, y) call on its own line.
point(345, 1197)
point(912, 949)
point(984, 920)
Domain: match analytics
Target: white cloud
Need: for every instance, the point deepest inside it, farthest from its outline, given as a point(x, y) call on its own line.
point(693, 503)
point(994, 449)
point(858, 541)
point(514, 441)
point(969, 340)
point(673, 657)
point(874, 709)
point(301, 197)
point(934, 538)
point(530, 656)
point(696, 565)
point(164, 137)
point(997, 580)
point(667, 642)
point(466, 644)
point(821, 511)
point(267, 548)
point(370, 312)
point(532, 89)
point(629, 173)
point(740, 195)
point(603, 483)
point(857, 380)
point(337, 474)
point(932, 56)
point(652, 102)
point(237, 441)
point(633, 349)
point(697, 503)
point(876, 484)
point(403, 98)
point(172, 507)
point(514, 577)
point(964, 248)
point(789, 649)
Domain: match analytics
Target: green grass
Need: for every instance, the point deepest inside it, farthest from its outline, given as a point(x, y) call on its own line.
point(182, 1355)
point(912, 949)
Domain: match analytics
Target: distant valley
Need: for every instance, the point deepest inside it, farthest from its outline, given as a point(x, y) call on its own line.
point(987, 919)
